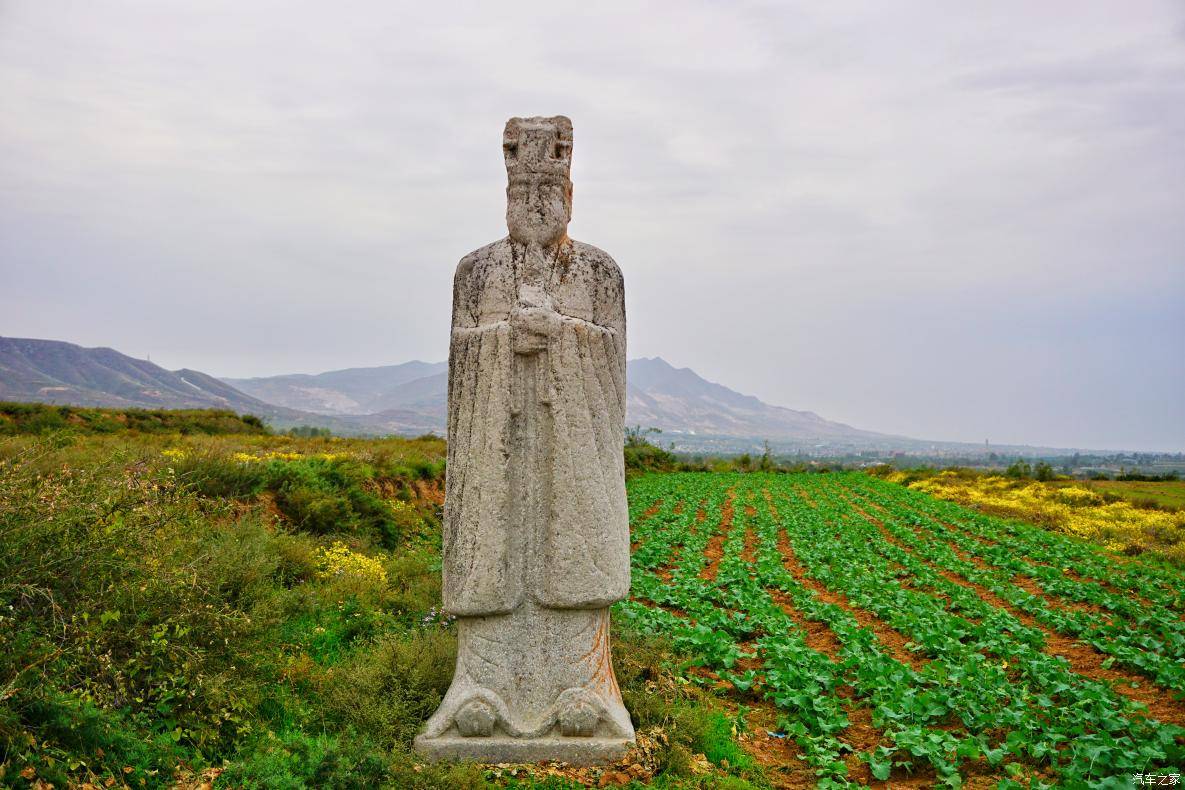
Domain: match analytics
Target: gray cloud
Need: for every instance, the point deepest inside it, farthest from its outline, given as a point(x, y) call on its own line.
point(948, 222)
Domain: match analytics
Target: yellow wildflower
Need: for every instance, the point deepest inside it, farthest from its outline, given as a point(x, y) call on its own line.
point(278, 456)
point(1117, 526)
point(338, 561)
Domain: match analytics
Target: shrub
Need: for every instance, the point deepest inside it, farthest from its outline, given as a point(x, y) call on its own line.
point(1019, 470)
point(297, 760)
point(215, 476)
point(414, 584)
point(643, 456)
point(313, 510)
point(390, 690)
point(68, 727)
point(127, 598)
point(41, 418)
point(309, 431)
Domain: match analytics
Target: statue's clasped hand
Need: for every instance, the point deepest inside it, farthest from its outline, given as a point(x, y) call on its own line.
point(531, 328)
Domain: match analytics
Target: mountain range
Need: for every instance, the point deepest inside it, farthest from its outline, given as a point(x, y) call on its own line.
point(411, 398)
point(675, 400)
point(351, 391)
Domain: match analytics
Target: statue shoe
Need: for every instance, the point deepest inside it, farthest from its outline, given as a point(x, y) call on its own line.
point(579, 712)
point(476, 719)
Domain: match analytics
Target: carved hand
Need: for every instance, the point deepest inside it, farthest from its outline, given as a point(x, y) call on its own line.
point(532, 327)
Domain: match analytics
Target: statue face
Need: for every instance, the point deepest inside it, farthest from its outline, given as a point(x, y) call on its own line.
point(538, 154)
point(538, 211)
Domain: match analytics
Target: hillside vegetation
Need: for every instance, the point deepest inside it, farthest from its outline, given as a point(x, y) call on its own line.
point(41, 418)
point(261, 611)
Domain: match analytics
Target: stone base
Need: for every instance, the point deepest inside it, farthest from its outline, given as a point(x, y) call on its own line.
point(504, 749)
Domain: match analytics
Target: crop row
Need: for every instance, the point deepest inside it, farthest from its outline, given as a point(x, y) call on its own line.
point(742, 570)
point(1147, 638)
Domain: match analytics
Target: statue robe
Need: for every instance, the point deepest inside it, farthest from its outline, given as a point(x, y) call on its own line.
point(557, 532)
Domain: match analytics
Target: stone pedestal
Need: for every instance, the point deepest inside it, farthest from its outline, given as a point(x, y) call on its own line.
point(535, 684)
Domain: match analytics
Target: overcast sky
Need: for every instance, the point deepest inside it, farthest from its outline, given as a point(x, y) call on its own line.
point(945, 220)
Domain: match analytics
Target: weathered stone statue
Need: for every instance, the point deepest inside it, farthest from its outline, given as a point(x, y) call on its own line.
point(536, 532)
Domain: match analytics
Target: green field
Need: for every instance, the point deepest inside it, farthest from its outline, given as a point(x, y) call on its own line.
point(1168, 494)
point(902, 637)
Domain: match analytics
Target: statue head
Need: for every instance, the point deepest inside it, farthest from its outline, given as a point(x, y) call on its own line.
point(538, 154)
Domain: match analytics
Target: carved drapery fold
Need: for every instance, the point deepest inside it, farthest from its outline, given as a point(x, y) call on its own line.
point(484, 563)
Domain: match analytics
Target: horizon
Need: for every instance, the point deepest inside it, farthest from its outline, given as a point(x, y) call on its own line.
point(657, 358)
point(956, 223)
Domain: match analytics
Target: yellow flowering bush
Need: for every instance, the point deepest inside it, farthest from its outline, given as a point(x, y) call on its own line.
point(271, 455)
point(174, 453)
point(276, 455)
point(338, 561)
point(1118, 526)
point(1077, 497)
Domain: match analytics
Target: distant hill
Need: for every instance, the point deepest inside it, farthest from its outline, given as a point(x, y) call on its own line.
point(51, 371)
point(349, 391)
point(676, 400)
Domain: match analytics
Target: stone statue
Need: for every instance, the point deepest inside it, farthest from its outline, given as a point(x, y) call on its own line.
point(536, 530)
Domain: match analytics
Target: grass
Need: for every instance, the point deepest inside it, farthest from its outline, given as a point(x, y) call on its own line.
point(1169, 494)
point(258, 611)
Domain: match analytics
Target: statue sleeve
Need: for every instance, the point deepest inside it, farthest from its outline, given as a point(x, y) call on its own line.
point(586, 539)
point(482, 574)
